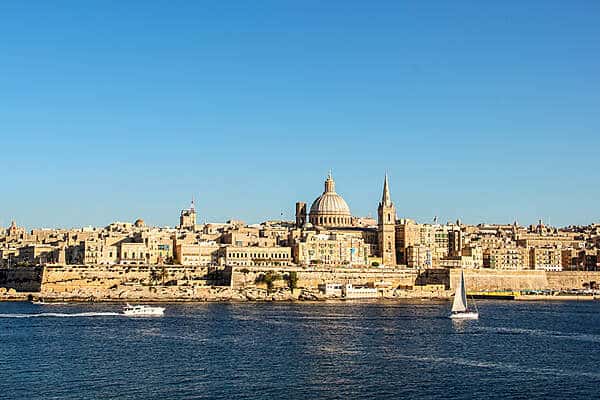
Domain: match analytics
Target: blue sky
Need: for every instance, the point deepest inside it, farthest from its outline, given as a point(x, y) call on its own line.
point(484, 111)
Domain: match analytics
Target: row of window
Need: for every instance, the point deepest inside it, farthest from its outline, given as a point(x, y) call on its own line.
point(258, 255)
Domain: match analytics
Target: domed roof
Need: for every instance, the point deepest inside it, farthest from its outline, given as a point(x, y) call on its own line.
point(330, 202)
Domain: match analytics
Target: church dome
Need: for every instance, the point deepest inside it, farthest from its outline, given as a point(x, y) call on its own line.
point(330, 209)
point(330, 203)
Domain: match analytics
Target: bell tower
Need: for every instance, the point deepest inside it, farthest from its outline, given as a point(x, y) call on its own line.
point(187, 218)
point(386, 231)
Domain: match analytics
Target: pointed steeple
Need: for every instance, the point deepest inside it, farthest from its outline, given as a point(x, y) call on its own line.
point(192, 205)
point(386, 198)
point(386, 221)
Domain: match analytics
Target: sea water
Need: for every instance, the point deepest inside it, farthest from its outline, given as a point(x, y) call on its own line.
point(338, 350)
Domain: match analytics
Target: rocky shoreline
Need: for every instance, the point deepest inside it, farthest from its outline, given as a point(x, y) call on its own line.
point(203, 294)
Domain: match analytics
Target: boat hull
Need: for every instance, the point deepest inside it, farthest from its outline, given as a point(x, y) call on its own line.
point(464, 315)
point(144, 311)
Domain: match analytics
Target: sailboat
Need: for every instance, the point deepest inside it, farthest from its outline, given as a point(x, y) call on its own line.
point(460, 308)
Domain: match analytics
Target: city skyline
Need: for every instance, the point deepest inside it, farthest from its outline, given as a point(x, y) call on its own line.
point(289, 215)
point(480, 112)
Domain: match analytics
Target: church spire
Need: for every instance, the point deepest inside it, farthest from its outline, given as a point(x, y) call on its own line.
point(386, 199)
point(386, 231)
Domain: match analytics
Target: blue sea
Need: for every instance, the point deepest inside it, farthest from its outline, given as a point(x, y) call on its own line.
point(351, 350)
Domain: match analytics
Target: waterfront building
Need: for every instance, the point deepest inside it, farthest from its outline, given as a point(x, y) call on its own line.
point(350, 291)
point(97, 251)
point(201, 253)
point(254, 256)
point(133, 253)
point(331, 289)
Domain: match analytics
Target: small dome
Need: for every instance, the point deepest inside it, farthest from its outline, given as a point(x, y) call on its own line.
point(139, 223)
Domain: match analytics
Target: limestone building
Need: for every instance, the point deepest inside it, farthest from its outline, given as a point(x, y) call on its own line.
point(255, 256)
point(201, 253)
point(187, 218)
point(330, 248)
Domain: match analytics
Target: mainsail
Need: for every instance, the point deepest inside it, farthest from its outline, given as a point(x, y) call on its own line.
point(460, 297)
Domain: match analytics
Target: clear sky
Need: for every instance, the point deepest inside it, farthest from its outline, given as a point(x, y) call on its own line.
point(488, 111)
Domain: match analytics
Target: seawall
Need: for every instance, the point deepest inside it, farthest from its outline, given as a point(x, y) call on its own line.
point(174, 282)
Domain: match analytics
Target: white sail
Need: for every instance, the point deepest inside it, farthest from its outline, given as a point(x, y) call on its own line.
point(460, 297)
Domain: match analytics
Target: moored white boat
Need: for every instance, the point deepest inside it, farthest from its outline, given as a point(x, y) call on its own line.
point(460, 308)
point(143, 311)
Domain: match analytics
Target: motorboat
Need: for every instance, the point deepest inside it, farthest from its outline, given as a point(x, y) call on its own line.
point(141, 310)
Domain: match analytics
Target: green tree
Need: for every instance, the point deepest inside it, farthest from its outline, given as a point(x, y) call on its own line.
point(292, 279)
point(269, 278)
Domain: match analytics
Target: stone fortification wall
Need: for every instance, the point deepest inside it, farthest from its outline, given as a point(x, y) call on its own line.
point(70, 278)
point(479, 280)
point(492, 280)
point(312, 278)
point(22, 279)
point(133, 281)
point(572, 279)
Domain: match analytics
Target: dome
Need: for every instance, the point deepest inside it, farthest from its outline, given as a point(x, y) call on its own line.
point(330, 203)
point(139, 223)
point(330, 209)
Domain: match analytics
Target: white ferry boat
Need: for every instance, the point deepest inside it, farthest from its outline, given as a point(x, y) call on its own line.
point(143, 311)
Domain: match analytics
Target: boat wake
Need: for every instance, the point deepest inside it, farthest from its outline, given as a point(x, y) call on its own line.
point(62, 315)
